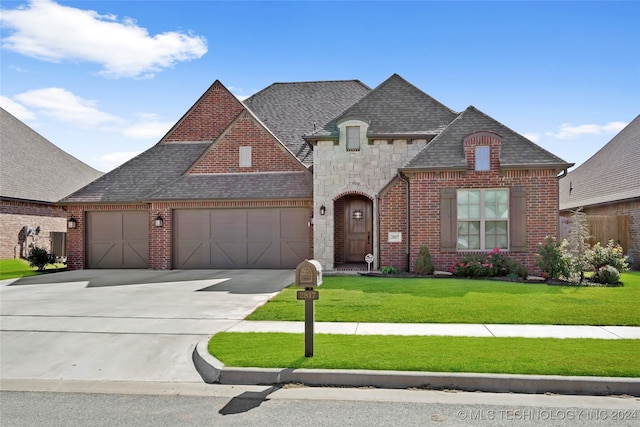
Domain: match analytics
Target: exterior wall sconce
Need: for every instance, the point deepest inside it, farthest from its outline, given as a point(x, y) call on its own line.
point(357, 214)
point(323, 210)
point(72, 223)
point(158, 222)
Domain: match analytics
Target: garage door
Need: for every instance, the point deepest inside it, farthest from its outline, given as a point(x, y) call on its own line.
point(117, 240)
point(240, 238)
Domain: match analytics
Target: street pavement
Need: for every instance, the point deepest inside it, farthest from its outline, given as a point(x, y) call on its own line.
point(142, 325)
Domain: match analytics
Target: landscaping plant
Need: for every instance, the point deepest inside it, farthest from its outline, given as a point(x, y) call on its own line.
point(40, 258)
point(608, 262)
point(552, 259)
point(424, 265)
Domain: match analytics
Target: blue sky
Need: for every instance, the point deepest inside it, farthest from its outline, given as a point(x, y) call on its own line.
point(105, 80)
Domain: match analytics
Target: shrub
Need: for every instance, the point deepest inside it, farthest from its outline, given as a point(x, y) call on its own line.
point(39, 258)
point(389, 270)
point(611, 254)
point(423, 261)
point(552, 259)
point(493, 264)
point(607, 274)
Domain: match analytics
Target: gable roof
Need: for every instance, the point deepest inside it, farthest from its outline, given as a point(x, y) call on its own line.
point(394, 108)
point(161, 173)
point(34, 169)
point(291, 110)
point(609, 175)
point(446, 151)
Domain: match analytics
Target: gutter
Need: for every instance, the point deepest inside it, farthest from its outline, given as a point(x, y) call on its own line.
point(403, 178)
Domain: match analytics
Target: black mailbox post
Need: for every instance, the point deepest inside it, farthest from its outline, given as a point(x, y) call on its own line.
point(309, 277)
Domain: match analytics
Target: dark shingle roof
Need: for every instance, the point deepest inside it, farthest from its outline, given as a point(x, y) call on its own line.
point(447, 150)
point(395, 107)
point(291, 110)
point(283, 185)
point(609, 175)
point(133, 181)
point(32, 168)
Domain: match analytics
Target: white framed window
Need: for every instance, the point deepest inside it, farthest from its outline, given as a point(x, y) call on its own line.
point(482, 158)
point(353, 138)
point(245, 157)
point(483, 219)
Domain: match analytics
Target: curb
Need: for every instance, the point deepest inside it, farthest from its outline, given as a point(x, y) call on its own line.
point(213, 371)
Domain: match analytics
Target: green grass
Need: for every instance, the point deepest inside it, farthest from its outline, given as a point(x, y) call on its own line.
point(582, 357)
point(12, 268)
point(391, 300)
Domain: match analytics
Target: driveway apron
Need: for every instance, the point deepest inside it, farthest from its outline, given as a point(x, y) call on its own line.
point(123, 325)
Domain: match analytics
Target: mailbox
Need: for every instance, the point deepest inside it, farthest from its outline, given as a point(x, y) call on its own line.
point(309, 274)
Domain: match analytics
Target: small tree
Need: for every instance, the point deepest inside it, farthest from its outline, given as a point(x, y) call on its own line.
point(577, 245)
point(423, 261)
point(39, 258)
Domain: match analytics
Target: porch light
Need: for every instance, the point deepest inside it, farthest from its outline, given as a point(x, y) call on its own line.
point(322, 210)
point(357, 214)
point(158, 222)
point(72, 223)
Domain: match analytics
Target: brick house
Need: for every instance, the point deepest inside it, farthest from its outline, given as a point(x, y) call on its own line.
point(607, 187)
point(330, 170)
point(34, 175)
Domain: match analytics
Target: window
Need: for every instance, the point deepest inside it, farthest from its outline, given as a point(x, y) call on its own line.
point(245, 157)
point(483, 219)
point(482, 158)
point(353, 138)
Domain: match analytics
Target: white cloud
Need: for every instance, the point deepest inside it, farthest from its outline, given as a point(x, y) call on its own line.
point(533, 137)
point(48, 31)
point(65, 106)
point(18, 110)
point(110, 161)
point(567, 131)
point(148, 127)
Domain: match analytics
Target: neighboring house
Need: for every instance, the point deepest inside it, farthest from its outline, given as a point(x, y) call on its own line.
point(330, 170)
point(34, 175)
point(607, 187)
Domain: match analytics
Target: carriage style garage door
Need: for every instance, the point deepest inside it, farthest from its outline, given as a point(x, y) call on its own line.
point(117, 240)
point(240, 238)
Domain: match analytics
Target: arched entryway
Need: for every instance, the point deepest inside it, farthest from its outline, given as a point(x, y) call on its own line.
point(353, 238)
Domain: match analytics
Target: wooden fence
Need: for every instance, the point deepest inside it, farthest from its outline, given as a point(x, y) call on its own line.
point(602, 228)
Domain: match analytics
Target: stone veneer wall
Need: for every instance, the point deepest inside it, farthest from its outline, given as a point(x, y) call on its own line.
point(338, 172)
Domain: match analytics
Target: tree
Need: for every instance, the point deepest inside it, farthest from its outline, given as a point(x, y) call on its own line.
point(577, 244)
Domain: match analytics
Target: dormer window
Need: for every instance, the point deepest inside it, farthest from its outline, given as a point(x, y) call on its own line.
point(482, 158)
point(353, 138)
point(353, 134)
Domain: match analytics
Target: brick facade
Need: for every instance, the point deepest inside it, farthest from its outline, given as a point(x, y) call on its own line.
point(267, 154)
point(208, 117)
point(15, 215)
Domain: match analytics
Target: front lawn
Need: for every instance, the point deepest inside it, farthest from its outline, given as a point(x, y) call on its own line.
point(453, 300)
point(12, 268)
point(540, 356)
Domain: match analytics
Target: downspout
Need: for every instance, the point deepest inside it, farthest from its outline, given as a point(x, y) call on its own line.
point(403, 178)
point(564, 173)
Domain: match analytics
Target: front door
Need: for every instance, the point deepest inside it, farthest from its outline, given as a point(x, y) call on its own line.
point(358, 220)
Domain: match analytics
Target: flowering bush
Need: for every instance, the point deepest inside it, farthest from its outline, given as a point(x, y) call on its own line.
point(607, 274)
point(492, 264)
point(553, 259)
point(611, 254)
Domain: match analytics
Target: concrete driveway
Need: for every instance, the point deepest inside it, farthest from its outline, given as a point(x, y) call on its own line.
point(123, 325)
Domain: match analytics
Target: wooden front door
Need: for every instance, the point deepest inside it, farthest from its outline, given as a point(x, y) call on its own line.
point(358, 221)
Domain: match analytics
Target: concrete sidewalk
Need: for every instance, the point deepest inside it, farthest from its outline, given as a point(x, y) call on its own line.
point(444, 329)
